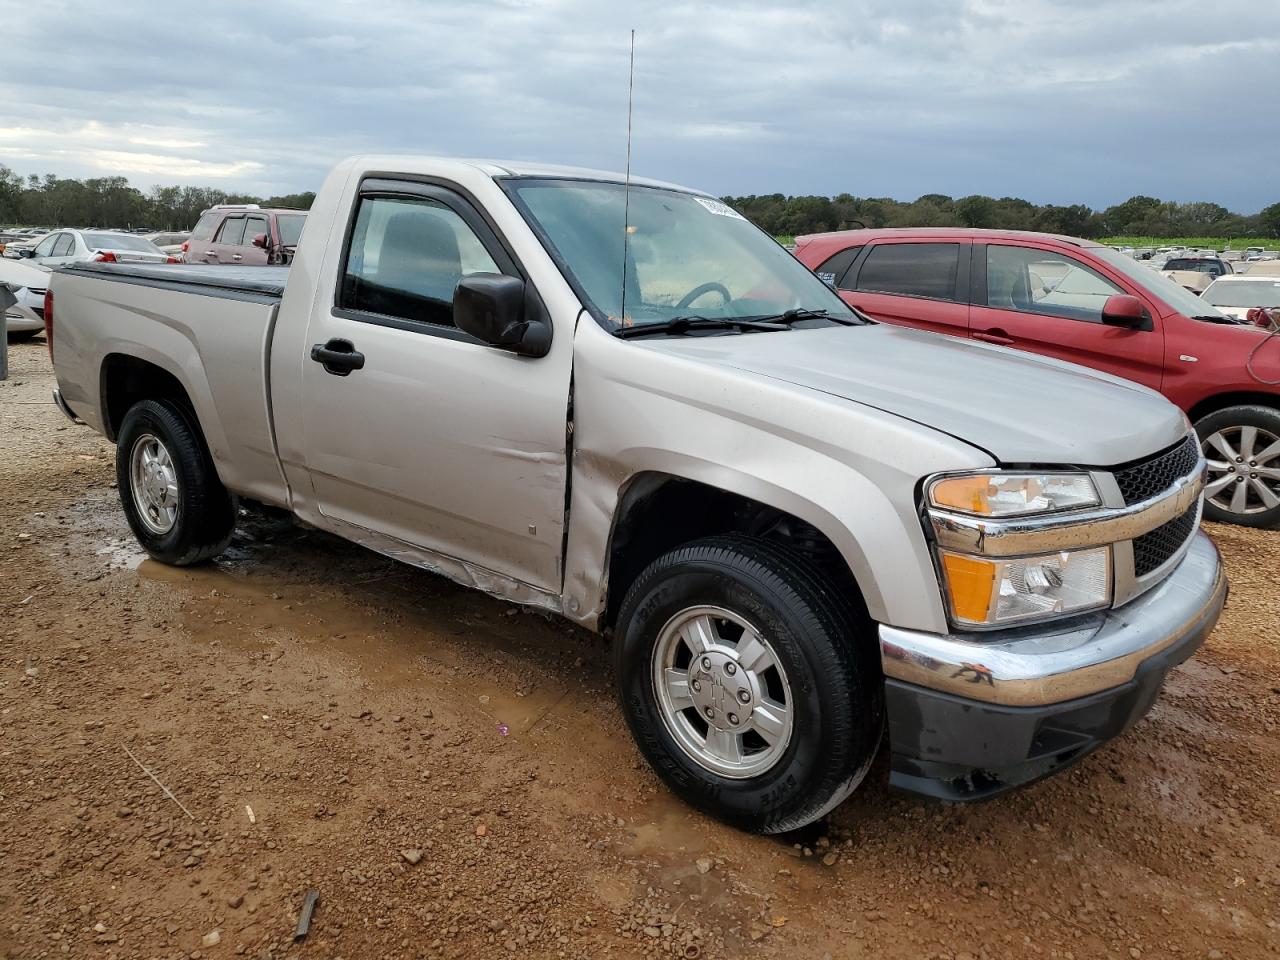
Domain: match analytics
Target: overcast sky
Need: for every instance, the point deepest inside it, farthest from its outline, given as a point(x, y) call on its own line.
point(1057, 101)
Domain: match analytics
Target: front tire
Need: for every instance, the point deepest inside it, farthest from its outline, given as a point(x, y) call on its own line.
point(750, 684)
point(1242, 447)
point(172, 497)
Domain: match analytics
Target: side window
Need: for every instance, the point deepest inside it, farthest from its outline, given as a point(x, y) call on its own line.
point(407, 256)
point(253, 226)
point(65, 246)
point(232, 231)
point(832, 270)
point(912, 269)
point(205, 227)
point(1047, 283)
point(45, 247)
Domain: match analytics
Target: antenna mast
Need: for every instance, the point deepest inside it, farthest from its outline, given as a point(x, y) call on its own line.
point(626, 202)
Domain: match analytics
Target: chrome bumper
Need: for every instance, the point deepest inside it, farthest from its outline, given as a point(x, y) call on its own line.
point(1052, 663)
point(66, 410)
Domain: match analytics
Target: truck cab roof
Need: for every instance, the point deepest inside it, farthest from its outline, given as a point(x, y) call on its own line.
point(499, 169)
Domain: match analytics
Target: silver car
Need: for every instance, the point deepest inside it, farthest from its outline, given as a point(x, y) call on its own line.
point(104, 246)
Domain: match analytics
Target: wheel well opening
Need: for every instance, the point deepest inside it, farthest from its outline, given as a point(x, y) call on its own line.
point(659, 512)
point(1223, 400)
point(126, 380)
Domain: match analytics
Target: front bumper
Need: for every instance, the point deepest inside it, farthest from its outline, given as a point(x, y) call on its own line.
point(974, 715)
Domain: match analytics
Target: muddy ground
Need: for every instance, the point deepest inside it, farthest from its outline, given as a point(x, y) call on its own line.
point(454, 778)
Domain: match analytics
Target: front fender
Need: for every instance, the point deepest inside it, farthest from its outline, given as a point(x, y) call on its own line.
point(849, 470)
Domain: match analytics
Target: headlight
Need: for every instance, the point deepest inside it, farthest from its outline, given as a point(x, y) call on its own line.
point(990, 592)
point(1013, 494)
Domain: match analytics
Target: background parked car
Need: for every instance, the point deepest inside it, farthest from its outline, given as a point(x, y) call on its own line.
point(1238, 295)
point(170, 243)
point(1082, 302)
point(1262, 268)
point(1196, 273)
point(246, 235)
point(71, 246)
point(25, 318)
point(22, 242)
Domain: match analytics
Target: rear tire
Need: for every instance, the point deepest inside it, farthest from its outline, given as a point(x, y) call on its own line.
point(1242, 447)
point(172, 497)
point(787, 671)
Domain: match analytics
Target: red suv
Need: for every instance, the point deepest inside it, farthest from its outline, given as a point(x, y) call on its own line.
point(1080, 301)
point(244, 235)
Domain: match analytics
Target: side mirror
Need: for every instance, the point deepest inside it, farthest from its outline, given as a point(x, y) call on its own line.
point(491, 307)
point(1122, 310)
point(260, 240)
point(26, 253)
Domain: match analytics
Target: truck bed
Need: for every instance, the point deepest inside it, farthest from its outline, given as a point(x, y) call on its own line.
point(207, 279)
point(206, 326)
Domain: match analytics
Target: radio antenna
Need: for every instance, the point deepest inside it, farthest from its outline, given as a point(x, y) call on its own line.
point(626, 190)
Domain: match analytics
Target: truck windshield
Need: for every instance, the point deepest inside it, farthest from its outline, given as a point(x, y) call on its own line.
point(685, 255)
point(1158, 285)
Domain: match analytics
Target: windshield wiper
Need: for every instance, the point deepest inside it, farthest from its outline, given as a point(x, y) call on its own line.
point(800, 313)
point(1217, 318)
point(685, 324)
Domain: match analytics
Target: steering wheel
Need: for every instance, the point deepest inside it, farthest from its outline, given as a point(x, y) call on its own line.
point(702, 288)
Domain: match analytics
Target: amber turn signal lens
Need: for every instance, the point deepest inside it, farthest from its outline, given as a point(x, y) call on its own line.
point(969, 583)
point(969, 494)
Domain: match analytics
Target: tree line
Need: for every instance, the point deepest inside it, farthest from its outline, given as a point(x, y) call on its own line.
point(111, 202)
point(52, 201)
point(1138, 216)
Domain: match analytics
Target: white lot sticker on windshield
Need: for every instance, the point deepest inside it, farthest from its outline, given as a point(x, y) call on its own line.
point(719, 209)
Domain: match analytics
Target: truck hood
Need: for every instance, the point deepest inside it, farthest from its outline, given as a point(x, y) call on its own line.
point(1018, 407)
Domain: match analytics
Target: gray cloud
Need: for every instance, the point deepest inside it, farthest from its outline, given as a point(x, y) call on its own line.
point(1053, 100)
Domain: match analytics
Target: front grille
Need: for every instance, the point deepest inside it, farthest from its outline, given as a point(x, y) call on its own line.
point(1155, 547)
point(1149, 478)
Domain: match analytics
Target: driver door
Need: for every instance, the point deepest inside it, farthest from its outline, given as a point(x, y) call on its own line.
point(436, 440)
point(1049, 302)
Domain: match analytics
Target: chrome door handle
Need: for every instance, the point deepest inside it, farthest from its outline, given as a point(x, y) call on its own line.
point(211, 253)
point(236, 257)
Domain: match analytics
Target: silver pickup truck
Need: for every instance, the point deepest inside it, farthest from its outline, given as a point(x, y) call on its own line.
point(627, 405)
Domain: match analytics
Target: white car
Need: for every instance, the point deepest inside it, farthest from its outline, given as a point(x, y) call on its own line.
point(26, 317)
point(13, 250)
point(104, 246)
point(1237, 295)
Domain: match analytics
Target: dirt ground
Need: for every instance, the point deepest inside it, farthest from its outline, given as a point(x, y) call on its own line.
point(454, 778)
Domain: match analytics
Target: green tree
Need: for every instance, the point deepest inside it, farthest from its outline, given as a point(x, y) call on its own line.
point(976, 211)
point(1269, 220)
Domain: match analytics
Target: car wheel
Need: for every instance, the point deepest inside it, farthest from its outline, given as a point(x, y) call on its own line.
point(18, 336)
point(750, 683)
point(1242, 448)
point(172, 497)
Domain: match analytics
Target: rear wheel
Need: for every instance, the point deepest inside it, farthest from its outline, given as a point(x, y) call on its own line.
point(172, 497)
point(750, 684)
point(1242, 448)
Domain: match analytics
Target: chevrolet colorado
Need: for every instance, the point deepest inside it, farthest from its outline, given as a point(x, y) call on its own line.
point(623, 403)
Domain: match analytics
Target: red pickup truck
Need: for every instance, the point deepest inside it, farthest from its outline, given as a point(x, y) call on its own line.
point(1086, 303)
